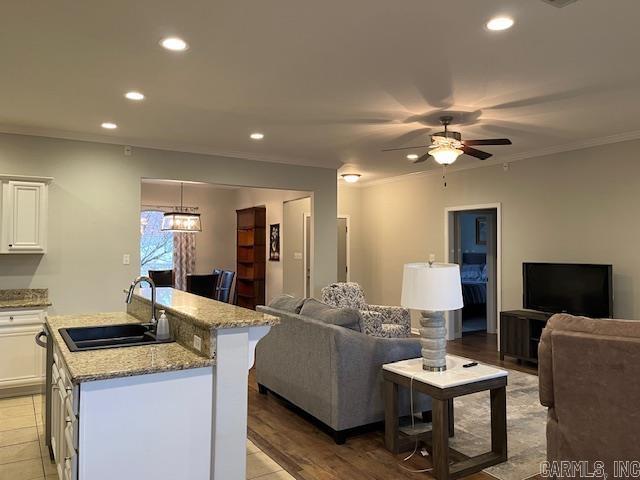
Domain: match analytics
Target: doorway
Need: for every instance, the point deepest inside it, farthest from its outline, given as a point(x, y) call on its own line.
point(297, 246)
point(343, 267)
point(472, 237)
point(343, 248)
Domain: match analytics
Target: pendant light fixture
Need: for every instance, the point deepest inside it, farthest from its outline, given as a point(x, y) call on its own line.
point(180, 220)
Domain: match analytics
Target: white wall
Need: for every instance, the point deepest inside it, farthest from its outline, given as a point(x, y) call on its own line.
point(95, 204)
point(578, 206)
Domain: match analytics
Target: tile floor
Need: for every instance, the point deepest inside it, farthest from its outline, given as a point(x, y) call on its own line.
point(23, 454)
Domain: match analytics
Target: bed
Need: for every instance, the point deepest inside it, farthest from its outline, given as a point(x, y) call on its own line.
point(473, 273)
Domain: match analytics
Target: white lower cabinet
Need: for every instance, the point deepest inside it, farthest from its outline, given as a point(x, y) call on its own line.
point(21, 359)
point(101, 429)
point(64, 420)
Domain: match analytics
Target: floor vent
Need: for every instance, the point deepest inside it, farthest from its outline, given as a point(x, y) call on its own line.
point(559, 3)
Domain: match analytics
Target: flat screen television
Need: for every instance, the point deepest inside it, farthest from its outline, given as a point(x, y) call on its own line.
point(578, 289)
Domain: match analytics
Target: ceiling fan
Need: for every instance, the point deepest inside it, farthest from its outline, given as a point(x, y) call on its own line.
point(447, 145)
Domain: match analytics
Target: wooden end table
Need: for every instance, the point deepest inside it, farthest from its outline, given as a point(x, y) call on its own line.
point(443, 387)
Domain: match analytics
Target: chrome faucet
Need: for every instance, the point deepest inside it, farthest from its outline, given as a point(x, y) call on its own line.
point(153, 294)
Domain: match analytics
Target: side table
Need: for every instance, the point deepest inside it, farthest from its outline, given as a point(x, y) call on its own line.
point(443, 387)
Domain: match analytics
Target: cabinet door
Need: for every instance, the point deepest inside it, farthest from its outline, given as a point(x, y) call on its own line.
point(24, 217)
point(514, 336)
point(59, 428)
point(24, 359)
point(56, 410)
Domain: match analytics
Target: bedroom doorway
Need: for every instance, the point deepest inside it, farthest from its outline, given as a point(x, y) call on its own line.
point(473, 242)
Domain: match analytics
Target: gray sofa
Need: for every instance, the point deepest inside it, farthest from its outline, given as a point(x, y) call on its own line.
point(331, 372)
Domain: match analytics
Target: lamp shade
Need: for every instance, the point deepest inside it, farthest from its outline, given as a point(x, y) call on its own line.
point(434, 287)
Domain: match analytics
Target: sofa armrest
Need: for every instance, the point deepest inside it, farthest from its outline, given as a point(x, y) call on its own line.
point(397, 315)
point(545, 368)
point(371, 323)
point(356, 376)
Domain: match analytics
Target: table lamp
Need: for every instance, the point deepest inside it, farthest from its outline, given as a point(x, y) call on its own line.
point(432, 288)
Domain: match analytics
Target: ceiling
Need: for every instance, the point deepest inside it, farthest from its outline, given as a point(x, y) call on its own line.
point(330, 82)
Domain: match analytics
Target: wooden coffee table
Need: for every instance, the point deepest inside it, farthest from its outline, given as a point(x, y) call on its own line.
point(443, 387)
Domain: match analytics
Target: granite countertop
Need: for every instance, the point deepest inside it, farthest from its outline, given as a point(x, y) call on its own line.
point(120, 362)
point(205, 312)
point(24, 298)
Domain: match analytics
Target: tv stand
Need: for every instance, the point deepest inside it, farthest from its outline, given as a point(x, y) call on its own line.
point(520, 332)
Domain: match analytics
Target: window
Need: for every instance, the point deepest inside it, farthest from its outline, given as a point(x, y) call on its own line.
point(156, 246)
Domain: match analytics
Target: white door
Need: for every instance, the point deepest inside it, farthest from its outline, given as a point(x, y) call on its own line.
point(22, 358)
point(24, 217)
point(343, 253)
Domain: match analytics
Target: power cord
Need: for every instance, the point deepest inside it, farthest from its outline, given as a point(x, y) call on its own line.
point(413, 427)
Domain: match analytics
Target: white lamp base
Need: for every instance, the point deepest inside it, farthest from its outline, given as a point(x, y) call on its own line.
point(433, 338)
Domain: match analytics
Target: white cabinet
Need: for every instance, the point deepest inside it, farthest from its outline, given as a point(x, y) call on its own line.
point(21, 359)
point(23, 211)
point(64, 419)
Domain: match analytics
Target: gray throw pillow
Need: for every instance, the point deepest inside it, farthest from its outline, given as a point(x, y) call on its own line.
point(343, 317)
point(287, 303)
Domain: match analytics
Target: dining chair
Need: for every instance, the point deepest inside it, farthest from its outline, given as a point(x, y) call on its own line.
point(163, 278)
point(223, 292)
point(203, 285)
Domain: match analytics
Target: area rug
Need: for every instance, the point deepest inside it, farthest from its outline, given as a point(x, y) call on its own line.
point(526, 423)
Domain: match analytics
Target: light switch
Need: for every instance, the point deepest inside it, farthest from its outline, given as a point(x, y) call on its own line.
point(197, 342)
point(297, 255)
point(126, 259)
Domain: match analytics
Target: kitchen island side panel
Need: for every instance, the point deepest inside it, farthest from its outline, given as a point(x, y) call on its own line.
point(148, 426)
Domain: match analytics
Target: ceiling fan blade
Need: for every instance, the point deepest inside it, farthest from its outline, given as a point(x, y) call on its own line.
point(475, 153)
point(404, 148)
point(489, 141)
point(422, 158)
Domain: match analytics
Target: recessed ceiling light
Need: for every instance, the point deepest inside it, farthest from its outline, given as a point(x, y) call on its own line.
point(257, 136)
point(413, 156)
point(500, 23)
point(351, 177)
point(109, 125)
point(133, 95)
point(175, 44)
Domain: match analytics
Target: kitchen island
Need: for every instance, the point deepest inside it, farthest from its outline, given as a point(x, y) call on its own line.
point(161, 411)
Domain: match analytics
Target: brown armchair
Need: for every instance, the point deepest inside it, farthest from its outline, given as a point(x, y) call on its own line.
point(589, 371)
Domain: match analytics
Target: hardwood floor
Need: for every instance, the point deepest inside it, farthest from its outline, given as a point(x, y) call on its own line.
point(308, 453)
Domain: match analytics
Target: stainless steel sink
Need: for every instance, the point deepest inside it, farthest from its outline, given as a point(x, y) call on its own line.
point(109, 336)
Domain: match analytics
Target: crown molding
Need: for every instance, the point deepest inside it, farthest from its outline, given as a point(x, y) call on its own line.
point(498, 160)
point(166, 146)
point(25, 178)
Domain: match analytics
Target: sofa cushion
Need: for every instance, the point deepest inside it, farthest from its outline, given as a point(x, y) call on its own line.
point(343, 317)
point(287, 303)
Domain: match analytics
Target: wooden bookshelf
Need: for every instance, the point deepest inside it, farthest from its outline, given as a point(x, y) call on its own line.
point(251, 241)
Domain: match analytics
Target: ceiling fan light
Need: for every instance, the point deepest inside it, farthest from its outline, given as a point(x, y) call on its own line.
point(445, 155)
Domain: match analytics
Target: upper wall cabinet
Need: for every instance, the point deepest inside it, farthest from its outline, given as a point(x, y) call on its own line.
point(23, 209)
